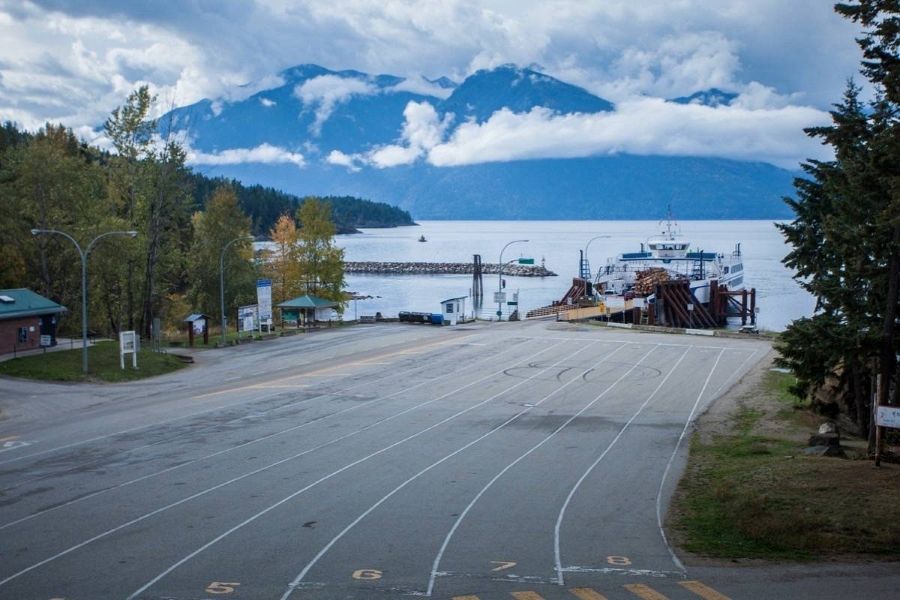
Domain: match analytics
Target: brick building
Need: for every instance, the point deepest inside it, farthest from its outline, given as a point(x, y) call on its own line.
point(25, 319)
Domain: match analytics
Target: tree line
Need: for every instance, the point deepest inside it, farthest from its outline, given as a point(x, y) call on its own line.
point(845, 237)
point(51, 180)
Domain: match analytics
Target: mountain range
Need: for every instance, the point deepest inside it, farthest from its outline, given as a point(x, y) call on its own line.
point(305, 135)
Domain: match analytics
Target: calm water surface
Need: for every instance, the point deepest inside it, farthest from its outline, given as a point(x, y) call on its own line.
point(556, 243)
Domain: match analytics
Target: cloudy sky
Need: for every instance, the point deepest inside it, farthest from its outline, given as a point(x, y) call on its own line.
point(74, 61)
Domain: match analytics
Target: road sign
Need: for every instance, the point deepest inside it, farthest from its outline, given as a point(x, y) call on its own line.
point(888, 416)
point(264, 299)
point(46, 340)
point(128, 343)
point(499, 297)
point(526, 261)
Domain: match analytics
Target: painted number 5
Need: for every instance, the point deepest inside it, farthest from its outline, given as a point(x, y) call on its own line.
point(218, 587)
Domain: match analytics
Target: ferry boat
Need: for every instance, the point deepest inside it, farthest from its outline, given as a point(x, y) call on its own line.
point(668, 255)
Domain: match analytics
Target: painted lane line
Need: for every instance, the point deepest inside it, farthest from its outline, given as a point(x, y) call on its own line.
point(562, 510)
point(586, 594)
point(736, 374)
point(299, 578)
point(440, 554)
point(645, 592)
point(176, 437)
point(158, 423)
point(662, 481)
point(260, 470)
point(704, 591)
point(250, 442)
point(526, 596)
point(332, 474)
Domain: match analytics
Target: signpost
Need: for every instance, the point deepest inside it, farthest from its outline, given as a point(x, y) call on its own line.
point(885, 416)
point(46, 340)
point(264, 301)
point(128, 343)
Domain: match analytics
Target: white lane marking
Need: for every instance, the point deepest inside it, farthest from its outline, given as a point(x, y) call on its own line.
point(562, 510)
point(248, 443)
point(158, 423)
point(662, 481)
point(337, 472)
point(13, 445)
point(260, 470)
point(440, 554)
point(736, 374)
point(299, 578)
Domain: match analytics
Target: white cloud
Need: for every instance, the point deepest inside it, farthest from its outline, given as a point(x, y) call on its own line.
point(327, 91)
point(266, 102)
point(336, 157)
point(419, 85)
point(645, 127)
point(264, 153)
point(423, 129)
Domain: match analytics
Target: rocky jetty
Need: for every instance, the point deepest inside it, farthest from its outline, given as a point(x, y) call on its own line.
point(428, 268)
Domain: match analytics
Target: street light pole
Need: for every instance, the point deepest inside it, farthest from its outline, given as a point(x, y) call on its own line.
point(222, 279)
point(84, 256)
point(585, 264)
point(500, 278)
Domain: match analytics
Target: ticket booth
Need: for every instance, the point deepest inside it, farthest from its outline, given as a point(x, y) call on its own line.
point(454, 310)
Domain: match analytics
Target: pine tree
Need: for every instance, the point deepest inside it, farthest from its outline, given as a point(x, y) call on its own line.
point(846, 234)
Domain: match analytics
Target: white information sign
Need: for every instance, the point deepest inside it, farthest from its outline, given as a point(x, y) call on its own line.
point(500, 297)
point(128, 343)
point(888, 416)
point(264, 299)
point(46, 340)
point(248, 317)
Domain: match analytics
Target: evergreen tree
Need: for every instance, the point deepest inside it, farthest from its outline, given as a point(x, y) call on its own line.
point(846, 234)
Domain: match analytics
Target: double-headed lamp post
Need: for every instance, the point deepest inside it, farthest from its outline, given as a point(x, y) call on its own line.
point(500, 278)
point(84, 255)
point(222, 278)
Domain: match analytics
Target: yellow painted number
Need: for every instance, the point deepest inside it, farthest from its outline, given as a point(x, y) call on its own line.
point(503, 565)
point(218, 587)
point(619, 561)
point(367, 574)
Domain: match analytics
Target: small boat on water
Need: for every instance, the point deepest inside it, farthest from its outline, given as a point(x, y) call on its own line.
point(668, 256)
point(422, 238)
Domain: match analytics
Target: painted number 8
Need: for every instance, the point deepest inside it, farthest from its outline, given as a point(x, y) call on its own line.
point(619, 561)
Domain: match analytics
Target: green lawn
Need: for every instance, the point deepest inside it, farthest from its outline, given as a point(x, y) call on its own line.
point(750, 492)
point(103, 363)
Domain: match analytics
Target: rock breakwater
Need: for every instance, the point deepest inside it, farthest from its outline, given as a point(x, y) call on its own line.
point(442, 268)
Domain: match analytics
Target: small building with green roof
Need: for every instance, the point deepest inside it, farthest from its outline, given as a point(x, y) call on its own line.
point(27, 320)
point(308, 309)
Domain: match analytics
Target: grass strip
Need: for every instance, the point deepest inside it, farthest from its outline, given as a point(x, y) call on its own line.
point(750, 493)
point(103, 363)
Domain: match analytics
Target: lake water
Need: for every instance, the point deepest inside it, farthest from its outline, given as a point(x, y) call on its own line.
point(557, 244)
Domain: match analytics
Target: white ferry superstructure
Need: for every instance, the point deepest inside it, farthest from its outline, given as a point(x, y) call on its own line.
point(671, 252)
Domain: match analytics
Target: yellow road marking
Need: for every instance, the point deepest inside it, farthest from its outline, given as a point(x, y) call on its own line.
point(8, 438)
point(704, 591)
point(465, 598)
point(324, 370)
point(586, 594)
point(526, 596)
point(643, 591)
